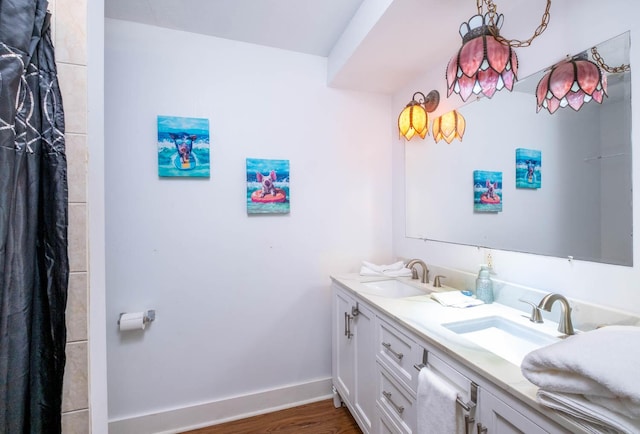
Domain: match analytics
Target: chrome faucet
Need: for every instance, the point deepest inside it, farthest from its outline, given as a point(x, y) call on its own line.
point(564, 326)
point(414, 272)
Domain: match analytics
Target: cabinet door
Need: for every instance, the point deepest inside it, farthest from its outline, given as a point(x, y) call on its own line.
point(365, 365)
point(343, 365)
point(497, 417)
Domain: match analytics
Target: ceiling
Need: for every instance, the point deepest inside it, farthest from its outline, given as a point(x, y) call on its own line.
point(306, 26)
point(371, 45)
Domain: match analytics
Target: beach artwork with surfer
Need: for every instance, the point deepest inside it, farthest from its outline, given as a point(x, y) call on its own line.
point(183, 146)
point(528, 168)
point(487, 191)
point(267, 186)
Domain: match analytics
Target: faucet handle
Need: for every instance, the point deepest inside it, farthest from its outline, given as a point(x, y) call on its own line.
point(436, 281)
point(536, 315)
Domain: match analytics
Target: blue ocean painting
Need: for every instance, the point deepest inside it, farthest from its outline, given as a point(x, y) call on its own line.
point(528, 168)
point(267, 186)
point(183, 147)
point(487, 191)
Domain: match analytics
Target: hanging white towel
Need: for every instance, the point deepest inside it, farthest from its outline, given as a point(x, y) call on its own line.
point(436, 405)
point(602, 365)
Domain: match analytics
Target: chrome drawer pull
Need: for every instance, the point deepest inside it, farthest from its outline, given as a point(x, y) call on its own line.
point(399, 408)
point(468, 420)
point(481, 428)
point(399, 356)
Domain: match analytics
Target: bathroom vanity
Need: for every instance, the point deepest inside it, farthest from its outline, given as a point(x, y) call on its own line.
point(383, 336)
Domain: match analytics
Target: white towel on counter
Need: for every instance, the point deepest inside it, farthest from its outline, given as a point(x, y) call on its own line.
point(602, 365)
point(397, 269)
point(455, 299)
point(436, 405)
point(591, 417)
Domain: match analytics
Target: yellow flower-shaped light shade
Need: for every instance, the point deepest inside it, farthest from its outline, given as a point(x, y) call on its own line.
point(449, 126)
point(413, 120)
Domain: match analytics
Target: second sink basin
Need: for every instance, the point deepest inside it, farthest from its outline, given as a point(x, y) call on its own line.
point(391, 289)
point(503, 337)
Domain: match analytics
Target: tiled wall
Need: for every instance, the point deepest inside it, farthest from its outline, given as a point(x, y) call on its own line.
point(70, 41)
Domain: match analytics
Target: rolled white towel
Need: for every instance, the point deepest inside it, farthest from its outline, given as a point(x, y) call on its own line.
point(590, 416)
point(602, 365)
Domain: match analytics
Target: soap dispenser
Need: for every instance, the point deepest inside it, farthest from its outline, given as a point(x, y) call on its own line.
point(484, 285)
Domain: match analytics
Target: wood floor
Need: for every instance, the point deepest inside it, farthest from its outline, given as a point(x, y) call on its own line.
point(316, 418)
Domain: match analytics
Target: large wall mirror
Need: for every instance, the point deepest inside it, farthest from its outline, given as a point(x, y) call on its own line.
point(583, 206)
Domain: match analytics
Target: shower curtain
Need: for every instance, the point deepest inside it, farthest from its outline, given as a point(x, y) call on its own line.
point(34, 267)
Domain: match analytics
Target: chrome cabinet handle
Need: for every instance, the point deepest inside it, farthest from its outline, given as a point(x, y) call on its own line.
point(347, 325)
point(399, 356)
point(399, 408)
point(468, 420)
point(481, 428)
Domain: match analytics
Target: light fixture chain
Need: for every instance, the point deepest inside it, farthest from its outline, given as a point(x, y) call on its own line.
point(516, 43)
point(610, 69)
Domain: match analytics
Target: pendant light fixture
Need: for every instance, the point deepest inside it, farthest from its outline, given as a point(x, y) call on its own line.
point(575, 82)
point(486, 62)
point(414, 118)
point(449, 126)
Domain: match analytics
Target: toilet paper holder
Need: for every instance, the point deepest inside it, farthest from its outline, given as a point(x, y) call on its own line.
point(149, 316)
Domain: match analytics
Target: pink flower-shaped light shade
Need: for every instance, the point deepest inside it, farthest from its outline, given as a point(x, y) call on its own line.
point(571, 83)
point(482, 65)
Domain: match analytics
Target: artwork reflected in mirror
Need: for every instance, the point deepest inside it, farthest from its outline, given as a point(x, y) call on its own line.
point(584, 207)
point(528, 168)
point(487, 191)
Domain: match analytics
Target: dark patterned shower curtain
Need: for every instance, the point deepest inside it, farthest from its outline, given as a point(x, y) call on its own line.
point(34, 267)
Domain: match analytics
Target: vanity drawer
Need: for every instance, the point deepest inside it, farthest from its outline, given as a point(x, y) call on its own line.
point(398, 352)
point(396, 402)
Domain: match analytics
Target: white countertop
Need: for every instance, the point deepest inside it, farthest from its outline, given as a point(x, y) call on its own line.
point(424, 317)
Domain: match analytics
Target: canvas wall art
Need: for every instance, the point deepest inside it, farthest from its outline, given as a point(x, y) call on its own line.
point(183, 146)
point(487, 191)
point(267, 186)
point(528, 168)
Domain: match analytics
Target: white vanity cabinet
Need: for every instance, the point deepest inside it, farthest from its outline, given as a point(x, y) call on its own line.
point(507, 416)
point(354, 367)
point(376, 365)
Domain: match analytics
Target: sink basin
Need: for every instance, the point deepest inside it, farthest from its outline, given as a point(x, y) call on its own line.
point(503, 337)
point(391, 289)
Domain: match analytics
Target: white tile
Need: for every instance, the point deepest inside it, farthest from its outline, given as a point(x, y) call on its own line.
point(71, 31)
point(73, 85)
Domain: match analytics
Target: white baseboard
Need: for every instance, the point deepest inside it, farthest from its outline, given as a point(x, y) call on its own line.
point(216, 412)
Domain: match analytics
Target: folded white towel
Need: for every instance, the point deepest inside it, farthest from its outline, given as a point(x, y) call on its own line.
point(397, 269)
point(601, 364)
point(592, 417)
point(455, 299)
point(436, 405)
point(381, 268)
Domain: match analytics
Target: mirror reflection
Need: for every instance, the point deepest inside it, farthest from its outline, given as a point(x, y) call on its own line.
point(578, 165)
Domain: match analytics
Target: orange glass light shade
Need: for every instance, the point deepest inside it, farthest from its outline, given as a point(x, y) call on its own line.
point(413, 120)
point(572, 83)
point(449, 126)
point(483, 64)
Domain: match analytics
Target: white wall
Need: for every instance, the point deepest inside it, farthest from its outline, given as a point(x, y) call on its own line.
point(242, 302)
point(575, 26)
